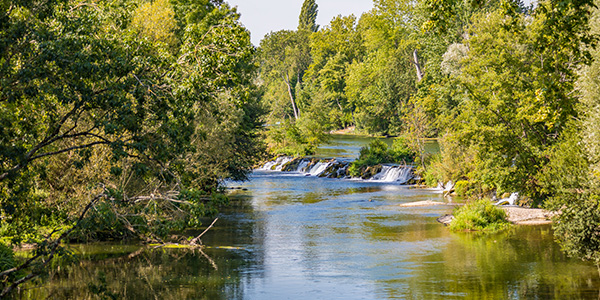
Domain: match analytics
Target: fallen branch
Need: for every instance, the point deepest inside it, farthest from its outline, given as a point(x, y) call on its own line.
point(212, 262)
point(195, 240)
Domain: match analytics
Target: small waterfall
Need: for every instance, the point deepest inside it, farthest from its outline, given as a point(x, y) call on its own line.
point(302, 166)
point(399, 174)
point(277, 164)
point(318, 168)
point(268, 165)
point(284, 160)
point(334, 168)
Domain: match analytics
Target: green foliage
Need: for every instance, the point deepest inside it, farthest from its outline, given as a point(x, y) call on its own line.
point(378, 152)
point(308, 16)
point(136, 102)
point(508, 107)
point(289, 139)
point(122, 111)
point(569, 176)
point(7, 258)
point(480, 215)
point(572, 175)
point(576, 227)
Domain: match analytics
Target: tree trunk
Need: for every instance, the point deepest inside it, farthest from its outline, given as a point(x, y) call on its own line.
point(417, 65)
point(286, 78)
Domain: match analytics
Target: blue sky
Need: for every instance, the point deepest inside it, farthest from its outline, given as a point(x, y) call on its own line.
point(264, 16)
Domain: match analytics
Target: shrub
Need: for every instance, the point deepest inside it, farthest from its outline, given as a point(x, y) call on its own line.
point(378, 152)
point(480, 215)
point(7, 257)
point(7, 261)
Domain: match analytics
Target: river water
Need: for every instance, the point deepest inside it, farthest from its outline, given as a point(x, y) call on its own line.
point(288, 236)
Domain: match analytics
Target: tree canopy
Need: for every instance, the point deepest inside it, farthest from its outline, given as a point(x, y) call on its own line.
point(308, 16)
point(121, 106)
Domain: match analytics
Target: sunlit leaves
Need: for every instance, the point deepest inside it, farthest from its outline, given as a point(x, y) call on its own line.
point(156, 20)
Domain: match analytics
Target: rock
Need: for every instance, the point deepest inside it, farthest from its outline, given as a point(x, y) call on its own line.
point(291, 165)
point(371, 171)
point(445, 219)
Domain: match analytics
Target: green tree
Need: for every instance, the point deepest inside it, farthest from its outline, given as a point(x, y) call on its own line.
point(380, 85)
point(514, 105)
point(281, 65)
point(572, 174)
point(333, 49)
point(95, 117)
point(308, 16)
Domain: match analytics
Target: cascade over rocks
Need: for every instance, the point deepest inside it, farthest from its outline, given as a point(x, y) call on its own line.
point(335, 168)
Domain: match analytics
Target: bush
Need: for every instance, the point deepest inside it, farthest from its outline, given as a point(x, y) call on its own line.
point(480, 215)
point(465, 188)
point(7, 258)
point(378, 152)
point(7, 261)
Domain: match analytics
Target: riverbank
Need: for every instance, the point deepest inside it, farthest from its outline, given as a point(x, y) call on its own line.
point(515, 214)
point(528, 216)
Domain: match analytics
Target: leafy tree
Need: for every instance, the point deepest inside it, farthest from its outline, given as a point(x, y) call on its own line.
point(308, 16)
point(572, 172)
point(94, 116)
point(515, 105)
point(380, 85)
point(333, 49)
point(281, 63)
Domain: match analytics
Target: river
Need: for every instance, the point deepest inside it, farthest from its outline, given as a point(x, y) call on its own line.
point(289, 236)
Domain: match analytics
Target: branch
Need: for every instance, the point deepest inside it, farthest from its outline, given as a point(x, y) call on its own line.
point(195, 240)
point(53, 246)
point(67, 150)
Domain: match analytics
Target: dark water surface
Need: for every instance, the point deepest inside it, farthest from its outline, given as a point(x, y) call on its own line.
point(295, 237)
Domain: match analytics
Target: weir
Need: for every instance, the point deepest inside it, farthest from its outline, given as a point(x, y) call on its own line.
point(335, 168)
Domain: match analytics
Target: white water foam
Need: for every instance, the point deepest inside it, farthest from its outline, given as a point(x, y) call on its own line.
point(277, 164)
point(318, 168)
point(284, 161)
point(399, 174)
point(302, 166)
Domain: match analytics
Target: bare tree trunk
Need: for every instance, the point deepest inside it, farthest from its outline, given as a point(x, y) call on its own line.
point(286, 78)
point(417, 65)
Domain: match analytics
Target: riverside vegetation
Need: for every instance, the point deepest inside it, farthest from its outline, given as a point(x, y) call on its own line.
point(509, 90)
point(121, 119)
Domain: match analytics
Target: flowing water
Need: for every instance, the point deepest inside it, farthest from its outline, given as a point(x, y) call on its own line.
point(290, 236)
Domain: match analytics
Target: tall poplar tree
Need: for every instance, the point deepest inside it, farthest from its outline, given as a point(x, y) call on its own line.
point(308, 16)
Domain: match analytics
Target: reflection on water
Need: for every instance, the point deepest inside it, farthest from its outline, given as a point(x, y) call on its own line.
point(348, 146)
point(296, 237)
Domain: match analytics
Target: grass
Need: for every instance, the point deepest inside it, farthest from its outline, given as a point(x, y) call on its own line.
point(480, 215)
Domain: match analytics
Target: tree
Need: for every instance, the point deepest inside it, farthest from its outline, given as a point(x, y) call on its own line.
point(93, 116)
point(333, 49)
point(280, 63)
point(572, 175)
point(308, 16)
